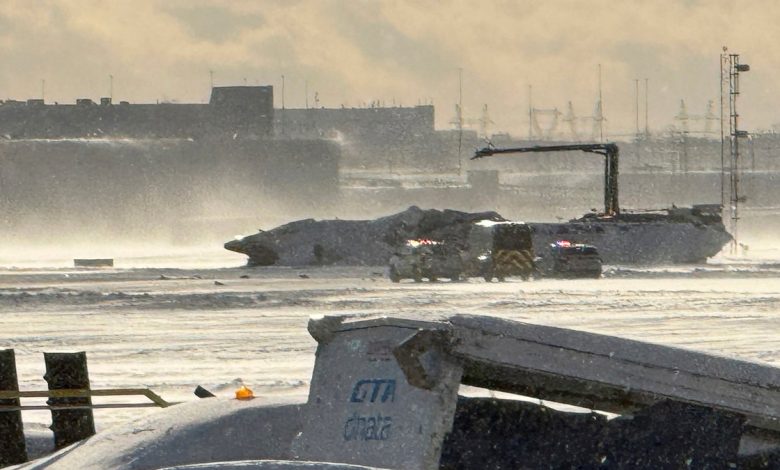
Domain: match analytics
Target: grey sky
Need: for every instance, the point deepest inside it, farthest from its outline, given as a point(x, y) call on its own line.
point(354, 52)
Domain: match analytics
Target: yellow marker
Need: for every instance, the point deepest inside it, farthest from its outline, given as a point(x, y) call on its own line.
point(244, 393)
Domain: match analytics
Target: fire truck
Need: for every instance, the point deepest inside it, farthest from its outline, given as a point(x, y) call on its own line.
point(497, 250)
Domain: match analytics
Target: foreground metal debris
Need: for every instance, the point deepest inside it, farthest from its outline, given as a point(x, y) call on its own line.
point(384, 394)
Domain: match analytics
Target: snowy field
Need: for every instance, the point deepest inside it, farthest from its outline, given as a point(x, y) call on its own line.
point(171, 329)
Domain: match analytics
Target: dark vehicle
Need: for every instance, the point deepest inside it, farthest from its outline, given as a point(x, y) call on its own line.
point(570, 260)
point(428, 259)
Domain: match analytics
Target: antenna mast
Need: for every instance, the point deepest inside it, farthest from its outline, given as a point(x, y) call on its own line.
point(734, 69)
point(725, 68)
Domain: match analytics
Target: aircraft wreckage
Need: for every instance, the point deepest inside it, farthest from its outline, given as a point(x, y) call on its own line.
point(678, 235)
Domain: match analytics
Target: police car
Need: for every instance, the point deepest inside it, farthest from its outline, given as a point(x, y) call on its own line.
point(570, 260)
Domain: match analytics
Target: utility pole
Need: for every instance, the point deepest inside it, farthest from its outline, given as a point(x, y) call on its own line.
point(306, 93)
point(211, 79)
point(111, 87)
point(636, 96)
point(530, 114)
point(484, 121)
point(43, 89)
point(601, 109)
point(282, 126)
point(647, 129)
point(460, 118)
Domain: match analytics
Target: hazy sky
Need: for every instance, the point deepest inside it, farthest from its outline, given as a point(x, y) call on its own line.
point(354, 52)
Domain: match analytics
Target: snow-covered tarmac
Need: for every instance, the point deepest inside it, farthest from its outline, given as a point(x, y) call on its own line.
point(173, 329)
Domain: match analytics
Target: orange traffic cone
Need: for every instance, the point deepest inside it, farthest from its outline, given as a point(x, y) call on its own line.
point(244, 393)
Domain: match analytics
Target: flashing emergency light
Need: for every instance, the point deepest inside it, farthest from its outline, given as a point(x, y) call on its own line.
point(416, 243)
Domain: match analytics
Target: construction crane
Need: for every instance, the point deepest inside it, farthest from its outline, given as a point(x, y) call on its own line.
point(609, 150)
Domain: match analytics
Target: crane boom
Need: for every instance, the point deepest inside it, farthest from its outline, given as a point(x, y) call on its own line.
point(609, 150)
